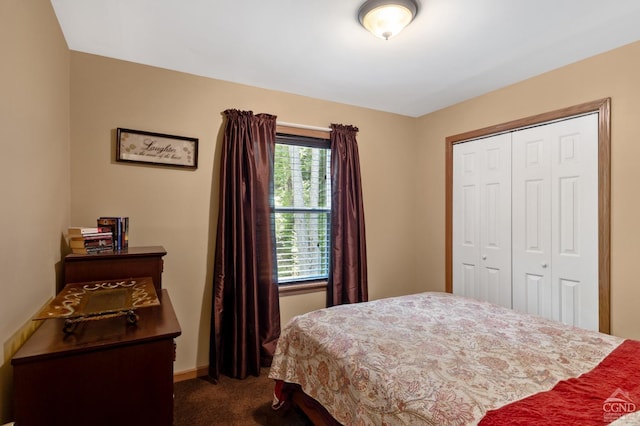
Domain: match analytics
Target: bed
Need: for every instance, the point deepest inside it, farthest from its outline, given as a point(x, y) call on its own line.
point(440, 359)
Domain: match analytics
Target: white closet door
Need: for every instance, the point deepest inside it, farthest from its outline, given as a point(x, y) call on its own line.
point(555, 221)
point(481, 217)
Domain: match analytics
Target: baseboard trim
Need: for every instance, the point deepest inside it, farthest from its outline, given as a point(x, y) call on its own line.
point(191, 374)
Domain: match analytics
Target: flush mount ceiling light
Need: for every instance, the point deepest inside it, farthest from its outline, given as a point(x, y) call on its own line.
point(386, 18)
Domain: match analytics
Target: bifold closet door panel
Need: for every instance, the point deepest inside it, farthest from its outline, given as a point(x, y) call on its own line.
point(555, 221)
point(481, 219)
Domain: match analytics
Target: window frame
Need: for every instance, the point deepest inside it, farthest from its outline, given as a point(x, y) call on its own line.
point(310, 139)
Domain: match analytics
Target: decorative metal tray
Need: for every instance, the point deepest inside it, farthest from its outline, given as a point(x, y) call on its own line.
point(95, 300)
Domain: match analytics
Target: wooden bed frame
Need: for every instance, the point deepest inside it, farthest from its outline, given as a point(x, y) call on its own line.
point(311, 408)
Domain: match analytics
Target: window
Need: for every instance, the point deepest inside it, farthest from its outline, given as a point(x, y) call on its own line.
point(302, 204)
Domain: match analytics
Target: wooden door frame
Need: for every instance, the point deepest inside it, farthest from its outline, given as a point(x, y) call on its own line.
point(603, 108)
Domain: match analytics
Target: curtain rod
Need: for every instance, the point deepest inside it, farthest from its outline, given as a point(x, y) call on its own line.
point(303, 126)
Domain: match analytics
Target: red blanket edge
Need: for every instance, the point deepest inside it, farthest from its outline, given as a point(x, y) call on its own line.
point(597, 397)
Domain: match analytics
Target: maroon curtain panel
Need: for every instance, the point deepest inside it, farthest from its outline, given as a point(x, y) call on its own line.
point(245, 317)
point(348, 273)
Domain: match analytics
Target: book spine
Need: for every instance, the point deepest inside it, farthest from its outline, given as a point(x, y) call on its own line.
point(126, 232)
point(99, 243)
point(78, 231)
point(119, 243)
point(120, 229)
point(91, 250)
point(106, 241)
point(99, 236)
point(112, 223)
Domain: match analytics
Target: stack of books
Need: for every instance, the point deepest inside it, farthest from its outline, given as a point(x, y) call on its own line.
point(119, 226)
point(88, 240)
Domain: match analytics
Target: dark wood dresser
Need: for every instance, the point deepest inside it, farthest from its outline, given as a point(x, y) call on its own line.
point(127, 263)
point(104, 373)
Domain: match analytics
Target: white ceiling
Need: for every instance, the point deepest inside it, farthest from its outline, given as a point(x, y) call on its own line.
point(454, 50)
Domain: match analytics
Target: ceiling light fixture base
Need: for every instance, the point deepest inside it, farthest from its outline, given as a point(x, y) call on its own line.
point(386, 18)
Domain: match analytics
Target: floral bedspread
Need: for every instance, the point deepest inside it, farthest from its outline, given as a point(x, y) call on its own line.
point(429, 358)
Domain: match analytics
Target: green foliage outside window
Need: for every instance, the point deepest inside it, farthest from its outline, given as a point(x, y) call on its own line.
point(302, 200)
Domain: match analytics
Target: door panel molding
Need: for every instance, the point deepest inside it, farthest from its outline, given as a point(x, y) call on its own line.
point(603, 108)
point(482, 177)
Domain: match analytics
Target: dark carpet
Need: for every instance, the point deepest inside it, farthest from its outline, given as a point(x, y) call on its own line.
point(230, 402)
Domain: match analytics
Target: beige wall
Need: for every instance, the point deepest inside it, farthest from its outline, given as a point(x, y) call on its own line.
point(178, 208)
point(34, 170)
point(613, 74)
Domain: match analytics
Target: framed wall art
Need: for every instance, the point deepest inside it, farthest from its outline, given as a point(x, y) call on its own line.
point(136, 146)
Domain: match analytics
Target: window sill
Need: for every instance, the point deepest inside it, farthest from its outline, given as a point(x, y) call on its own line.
point(302, 287)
